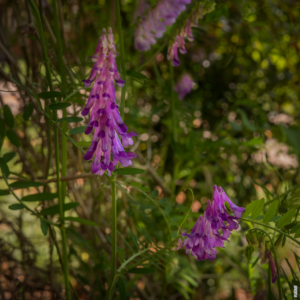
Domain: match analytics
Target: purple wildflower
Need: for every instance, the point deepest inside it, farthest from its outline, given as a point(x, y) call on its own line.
point(192, 21)
point(153, 25)
point(184, 86)
point(211, 229)
point(105, 118)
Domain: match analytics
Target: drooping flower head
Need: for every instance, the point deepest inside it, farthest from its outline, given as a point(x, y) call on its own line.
point(110, 133)
point(179, 42)
point(184, 86)
point(153, 24)
point(211, 229)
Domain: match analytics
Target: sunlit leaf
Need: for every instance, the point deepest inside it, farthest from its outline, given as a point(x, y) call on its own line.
point(271, 211)
point(286, 218)
point(259, 205)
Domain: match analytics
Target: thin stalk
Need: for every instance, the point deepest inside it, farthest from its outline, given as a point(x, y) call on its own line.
point(270, 227)
point(114, 237)
point(62, 216)
point(64, 91)
point(173, 103)
point(122, 56)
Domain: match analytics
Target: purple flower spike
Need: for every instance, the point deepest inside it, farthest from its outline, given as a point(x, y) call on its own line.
point(210, 230)
point(272, 266)
point(153, 25)
point(184, 86)
point(105, 117)
point(186, 31)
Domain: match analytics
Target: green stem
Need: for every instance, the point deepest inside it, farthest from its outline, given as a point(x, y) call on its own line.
point(39, 24)
point(62, 216)
point(64, 91)
point(270, 227)
point(122, 56)
point(193, 197)
point(173, 103)
point(114, 236)
point(25, 206)
point(276, 261)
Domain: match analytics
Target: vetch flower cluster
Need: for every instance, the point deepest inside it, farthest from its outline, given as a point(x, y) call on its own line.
point(153, 25)
point(213, 228)
point(184, 86)
point(192, 21)
point(105, 118)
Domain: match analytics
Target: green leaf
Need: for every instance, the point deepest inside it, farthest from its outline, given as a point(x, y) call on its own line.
point(70, 119)
point(44, 226)
point(249, 208)
point(9, 156)
point(108, 238)
point(40, 197)
point(83, 144)
point(13, 137)
point(77, 130)
point(50, 95)
point(16, 206)
point(136, 75)
point(297, 234)
point(121, 254)
point(271, 211)
point(8, 116)
point(129, 171)
point(65, 126)
point(259, 205)
point(122, 289)
point(4, 168)
point(25, 184)
point(135, 239)
point(292, 135)
point(53, 210)
point(286, 218)
point(4, 193)
point(28, 112)
point(58, 106)
point(141, 270)
point(81, 221)
point(78, 237)
point(154, 193)
point(2, 129)
point(293, 230)
point(245, 120)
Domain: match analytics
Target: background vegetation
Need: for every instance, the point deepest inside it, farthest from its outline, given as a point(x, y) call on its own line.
point(238, 128)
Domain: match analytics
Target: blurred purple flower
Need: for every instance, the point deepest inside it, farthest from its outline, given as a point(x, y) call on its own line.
point(153, 25)
point(183, 86)
point(272, 266)
point(185, 31)
point(105, 118)
point(206, 233)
